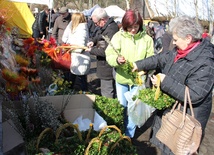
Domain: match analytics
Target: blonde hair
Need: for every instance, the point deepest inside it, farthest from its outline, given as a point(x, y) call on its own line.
point(76, 19)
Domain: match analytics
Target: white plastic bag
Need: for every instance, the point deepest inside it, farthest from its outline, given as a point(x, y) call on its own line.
point(138, 111)
point(83, 124)
point(99, 122)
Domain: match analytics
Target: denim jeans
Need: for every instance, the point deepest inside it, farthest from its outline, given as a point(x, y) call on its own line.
point(129, 125)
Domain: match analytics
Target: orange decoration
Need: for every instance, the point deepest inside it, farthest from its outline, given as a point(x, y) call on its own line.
point(21, 61)
point(28, 41)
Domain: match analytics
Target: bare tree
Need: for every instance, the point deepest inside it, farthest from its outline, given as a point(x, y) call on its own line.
point(137, 5)
point(196, 9)
point(211, 18)
point(79, 4)
point(128, 4)
point(175, 6)
point(90, 3)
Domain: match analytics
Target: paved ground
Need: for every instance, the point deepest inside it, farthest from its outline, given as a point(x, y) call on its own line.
point(145, 148)
point(142, 134)
point(1, 134)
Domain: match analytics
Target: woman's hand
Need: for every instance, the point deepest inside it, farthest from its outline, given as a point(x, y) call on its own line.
point(154, 78)
point(121, 60)
point(90, 44)
point(88, 50)
point(134, 67)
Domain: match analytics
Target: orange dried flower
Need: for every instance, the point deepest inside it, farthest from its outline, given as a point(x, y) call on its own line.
point(32, 49)
point(28, 71)
point(28, 41)
point(36, 80)
point(23, 83)
point(46, 44)
point(9, 75)
point(21, 60)
point(49, 51)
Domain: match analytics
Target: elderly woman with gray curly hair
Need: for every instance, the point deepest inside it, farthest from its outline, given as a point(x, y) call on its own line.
point(189, 64)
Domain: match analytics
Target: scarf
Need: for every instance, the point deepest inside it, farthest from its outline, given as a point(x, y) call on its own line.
point(183, 53)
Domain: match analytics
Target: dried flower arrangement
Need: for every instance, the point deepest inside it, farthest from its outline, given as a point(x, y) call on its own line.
point(29, 70)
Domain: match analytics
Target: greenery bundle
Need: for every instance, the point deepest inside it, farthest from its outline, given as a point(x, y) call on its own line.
point(148, 96)
point(111, 110)
point(155, 97)
point(127, 67)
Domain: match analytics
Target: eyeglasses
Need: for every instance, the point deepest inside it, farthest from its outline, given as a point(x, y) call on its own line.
point(97, 23)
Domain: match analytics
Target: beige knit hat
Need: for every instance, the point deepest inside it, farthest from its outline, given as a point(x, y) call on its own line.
point(63, 10)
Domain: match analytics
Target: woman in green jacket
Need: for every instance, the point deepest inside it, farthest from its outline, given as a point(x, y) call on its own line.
point(132, 44)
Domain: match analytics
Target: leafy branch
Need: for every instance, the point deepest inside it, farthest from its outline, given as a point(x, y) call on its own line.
point(106, 38)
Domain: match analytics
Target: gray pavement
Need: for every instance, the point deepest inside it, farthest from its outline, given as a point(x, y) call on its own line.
point(207, 146)
point(1, 131)
point(146, 148)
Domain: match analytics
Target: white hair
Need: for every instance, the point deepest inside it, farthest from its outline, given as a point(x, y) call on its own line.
point(184, 25)
point(99, 13)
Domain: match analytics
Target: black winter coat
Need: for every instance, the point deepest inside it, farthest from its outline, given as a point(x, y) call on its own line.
point(43, 23)
point(40, 22)
point(35, 25)
point(60, 25)
point(196, 71)
point(104, 70)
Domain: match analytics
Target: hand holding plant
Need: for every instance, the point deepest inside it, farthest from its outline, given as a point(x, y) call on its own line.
point(121, 60)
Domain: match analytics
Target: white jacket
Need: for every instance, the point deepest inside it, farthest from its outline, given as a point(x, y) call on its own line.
point(80, 60)
point(80, 35)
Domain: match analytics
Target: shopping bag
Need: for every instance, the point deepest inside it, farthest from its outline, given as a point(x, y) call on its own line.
point(138, 111)
point(81, 63)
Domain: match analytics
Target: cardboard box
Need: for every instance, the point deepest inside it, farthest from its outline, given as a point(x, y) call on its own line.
point(79, 104)
point(11, 138)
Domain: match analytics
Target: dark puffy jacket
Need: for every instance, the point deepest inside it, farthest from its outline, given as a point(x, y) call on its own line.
point(43, 23)
point(196, 71)
point(104, 70)
point(35, 25)
point(40, 22)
